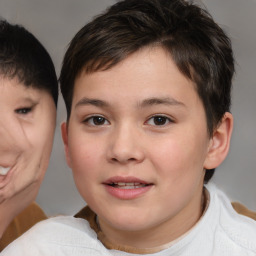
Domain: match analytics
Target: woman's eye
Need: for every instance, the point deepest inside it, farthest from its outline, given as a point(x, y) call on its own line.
point(159, 120)
point(96, 121)
point(23, 111)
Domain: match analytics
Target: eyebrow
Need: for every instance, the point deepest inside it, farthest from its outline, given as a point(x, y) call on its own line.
point(94, 102)
point(147, 102)
point(29, 100)
point(161, 101)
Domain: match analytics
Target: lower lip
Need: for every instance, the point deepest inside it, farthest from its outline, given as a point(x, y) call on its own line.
point(127, 194)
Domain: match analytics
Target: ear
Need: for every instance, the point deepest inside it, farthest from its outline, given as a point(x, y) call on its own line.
point(219, 143)
point(64, 133)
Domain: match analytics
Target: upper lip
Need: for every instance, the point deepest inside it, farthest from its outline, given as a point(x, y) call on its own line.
point(129, 179)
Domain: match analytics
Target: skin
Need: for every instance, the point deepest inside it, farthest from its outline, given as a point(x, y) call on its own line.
point(27, 126)
point(142, 120)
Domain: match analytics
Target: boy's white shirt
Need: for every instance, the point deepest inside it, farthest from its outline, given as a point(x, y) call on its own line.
point(221, 232)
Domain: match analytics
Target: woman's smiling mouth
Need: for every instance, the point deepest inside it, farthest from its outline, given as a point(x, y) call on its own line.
point(4, 170)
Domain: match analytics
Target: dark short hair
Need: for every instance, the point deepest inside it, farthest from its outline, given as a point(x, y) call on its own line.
point(199, 47)
point(22, 56)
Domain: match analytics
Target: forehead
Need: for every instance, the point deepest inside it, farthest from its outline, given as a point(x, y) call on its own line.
point(13, 85)
point(12, 92)
point(150, 70)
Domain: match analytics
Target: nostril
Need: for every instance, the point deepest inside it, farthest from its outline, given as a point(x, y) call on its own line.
point(131, 159)
point(123, 160)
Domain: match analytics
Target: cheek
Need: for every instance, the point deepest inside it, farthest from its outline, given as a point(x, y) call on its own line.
point(85, 155)
point(12, 139)
point(171, 160)
point(180, 171)
point(86, 165)
point(40, 135)
point(179, 157)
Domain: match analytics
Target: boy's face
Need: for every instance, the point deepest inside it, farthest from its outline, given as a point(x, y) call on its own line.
point(26, 131)
point(137, 143)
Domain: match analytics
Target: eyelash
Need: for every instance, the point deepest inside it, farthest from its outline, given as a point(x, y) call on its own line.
point(23, 111)
point(164, 118)
point(91, 120)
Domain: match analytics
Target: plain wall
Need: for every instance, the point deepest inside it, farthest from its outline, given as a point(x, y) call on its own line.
point(55, 22)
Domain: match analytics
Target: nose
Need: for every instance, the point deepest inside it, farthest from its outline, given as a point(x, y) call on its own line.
point(126, 145)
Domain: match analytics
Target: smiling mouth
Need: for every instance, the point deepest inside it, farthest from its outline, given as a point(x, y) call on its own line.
point(4, 170)
point(127, 185)
point(127, 188)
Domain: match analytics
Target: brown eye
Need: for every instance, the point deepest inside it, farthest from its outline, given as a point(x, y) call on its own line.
point(23, 111)
point(159, 120)
point(96, 121)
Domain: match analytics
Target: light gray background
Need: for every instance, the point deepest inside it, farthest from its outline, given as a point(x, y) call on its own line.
point(55, 22)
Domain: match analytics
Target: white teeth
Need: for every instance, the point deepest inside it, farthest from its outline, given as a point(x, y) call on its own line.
point(120, 184)
point(4, 170)
point(128, 185)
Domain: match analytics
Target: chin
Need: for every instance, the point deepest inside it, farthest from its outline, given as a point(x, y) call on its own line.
point(129, 223)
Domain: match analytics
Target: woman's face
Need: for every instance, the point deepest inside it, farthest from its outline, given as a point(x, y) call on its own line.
point(27, 125)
